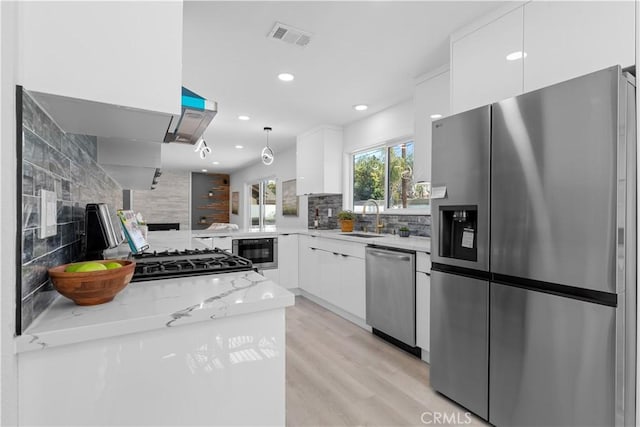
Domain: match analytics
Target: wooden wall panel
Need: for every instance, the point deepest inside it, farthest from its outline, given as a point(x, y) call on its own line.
point(209, 199)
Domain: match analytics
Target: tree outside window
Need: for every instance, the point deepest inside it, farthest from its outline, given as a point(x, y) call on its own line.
point(385, 174)
point(369, 177)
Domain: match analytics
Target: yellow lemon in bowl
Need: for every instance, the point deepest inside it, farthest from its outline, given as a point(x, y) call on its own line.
point(112, 265)
point(90, 266)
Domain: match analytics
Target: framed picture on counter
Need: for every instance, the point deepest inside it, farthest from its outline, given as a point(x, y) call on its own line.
point(289, 198)
point(235, 201)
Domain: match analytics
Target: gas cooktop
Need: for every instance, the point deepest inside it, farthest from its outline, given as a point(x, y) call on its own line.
point(188, 262)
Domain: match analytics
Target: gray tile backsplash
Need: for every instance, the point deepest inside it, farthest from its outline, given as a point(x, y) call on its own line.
point(419, 225)
point(66, 164)
point(322, 203)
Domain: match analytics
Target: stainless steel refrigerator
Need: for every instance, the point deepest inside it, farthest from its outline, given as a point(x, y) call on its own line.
point(533, 304)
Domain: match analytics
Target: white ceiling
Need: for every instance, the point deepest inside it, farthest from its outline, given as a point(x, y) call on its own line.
point(360, 52)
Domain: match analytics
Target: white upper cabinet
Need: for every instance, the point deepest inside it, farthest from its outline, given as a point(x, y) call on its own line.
point(568, 39)
point(319, 161)
point(431, 98)
point(481, 73)
point(560, 40)
point(122, 53)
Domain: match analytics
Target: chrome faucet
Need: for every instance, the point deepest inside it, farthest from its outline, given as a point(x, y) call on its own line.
point(379, 225)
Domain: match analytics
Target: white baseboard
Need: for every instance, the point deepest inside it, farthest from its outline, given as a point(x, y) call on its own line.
point(340, 312)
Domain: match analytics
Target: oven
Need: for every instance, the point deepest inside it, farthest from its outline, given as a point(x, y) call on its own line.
point(262, 251)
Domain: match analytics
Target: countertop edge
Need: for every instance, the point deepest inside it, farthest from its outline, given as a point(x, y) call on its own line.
point(32, 340)
point(417, 243)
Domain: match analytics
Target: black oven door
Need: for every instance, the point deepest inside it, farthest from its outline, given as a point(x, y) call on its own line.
point(263, 252)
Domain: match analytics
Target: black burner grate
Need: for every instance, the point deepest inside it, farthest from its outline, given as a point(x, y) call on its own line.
point(188, 262)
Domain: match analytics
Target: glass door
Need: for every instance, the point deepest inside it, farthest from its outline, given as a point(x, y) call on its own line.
point(262, 200)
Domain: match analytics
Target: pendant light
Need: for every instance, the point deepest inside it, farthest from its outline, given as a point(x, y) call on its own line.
point(267, 152)
point(202, 148)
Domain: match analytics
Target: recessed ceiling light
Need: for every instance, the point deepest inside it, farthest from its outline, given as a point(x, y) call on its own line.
point(514, 56)
point(204, 170)
point(286, 77)
point(360, 107)
point(216, 163)
point(435, 116)
point(243, 117)
point(239, 147)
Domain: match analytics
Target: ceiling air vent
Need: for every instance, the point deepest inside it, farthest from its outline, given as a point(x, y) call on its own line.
point(289, 34)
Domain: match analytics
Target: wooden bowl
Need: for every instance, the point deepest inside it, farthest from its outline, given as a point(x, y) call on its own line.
point(92, 287)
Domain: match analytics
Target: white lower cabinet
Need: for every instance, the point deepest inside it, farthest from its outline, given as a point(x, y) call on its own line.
point(423, 299)
point(308, 277)
point(329, 276)
point(330, 271)
point(288, 260)
point(352, 295)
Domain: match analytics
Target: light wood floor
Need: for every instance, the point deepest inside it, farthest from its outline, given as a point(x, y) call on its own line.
point(341, 375)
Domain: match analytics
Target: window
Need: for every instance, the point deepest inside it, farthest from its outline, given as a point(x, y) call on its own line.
point(385, 174)
point(263, 203)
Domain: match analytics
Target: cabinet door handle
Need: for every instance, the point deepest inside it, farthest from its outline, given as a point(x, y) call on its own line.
point(345, 255)
point(336, 253)
point(313, 249)
point(284, 234)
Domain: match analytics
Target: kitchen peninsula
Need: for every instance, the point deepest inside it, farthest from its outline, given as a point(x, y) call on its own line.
point(206, 350)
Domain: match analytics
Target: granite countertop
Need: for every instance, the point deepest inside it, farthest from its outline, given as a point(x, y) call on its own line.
point(149, 305)
point(144, 306)
point(415, 243)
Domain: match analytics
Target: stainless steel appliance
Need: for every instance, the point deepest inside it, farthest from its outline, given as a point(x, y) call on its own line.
point(188, 262)
point(196, 114)
point(262, 251)
point(391, 295)
point(534, 305)
point(459, 353)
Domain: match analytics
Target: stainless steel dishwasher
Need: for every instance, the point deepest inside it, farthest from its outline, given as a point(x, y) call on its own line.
point(391, 295)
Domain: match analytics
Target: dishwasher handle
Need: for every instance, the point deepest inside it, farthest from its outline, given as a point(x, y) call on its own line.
point(389, 255)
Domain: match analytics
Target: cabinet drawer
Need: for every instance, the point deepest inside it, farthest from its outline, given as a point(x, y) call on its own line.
point(339, 246)
point(423, 262)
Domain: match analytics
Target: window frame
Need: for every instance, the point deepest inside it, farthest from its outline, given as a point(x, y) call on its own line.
point(384, 210)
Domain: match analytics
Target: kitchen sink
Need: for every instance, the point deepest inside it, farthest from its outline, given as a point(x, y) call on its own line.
point(368, 236)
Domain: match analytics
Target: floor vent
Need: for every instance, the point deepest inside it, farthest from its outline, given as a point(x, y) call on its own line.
point(289, 34)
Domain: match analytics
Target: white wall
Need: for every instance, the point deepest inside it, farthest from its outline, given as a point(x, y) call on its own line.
point(169, 202)
point(8, 219)
point(394, 122)
point(283, 169)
